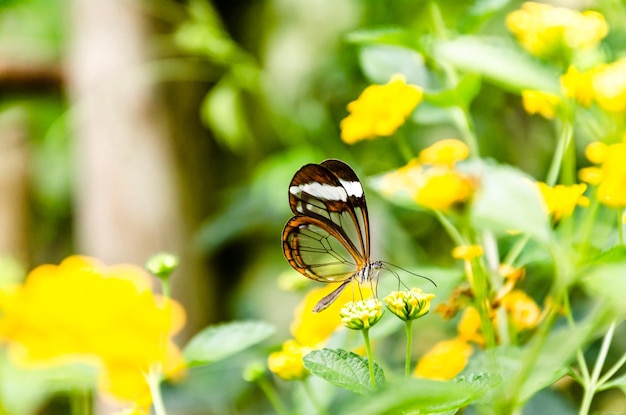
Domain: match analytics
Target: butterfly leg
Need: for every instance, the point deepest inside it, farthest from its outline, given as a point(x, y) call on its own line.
point(326, 301)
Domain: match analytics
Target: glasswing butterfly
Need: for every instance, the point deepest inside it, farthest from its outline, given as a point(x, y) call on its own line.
point(328, 239)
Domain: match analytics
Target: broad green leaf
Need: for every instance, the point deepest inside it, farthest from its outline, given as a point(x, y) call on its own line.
point(507, 200)
point(219, 342)
point(222, 110)
point(423, 396)
point(498, 60)
point(345, 369)
point(607, 283)
point(461, 96)
point(381, 62)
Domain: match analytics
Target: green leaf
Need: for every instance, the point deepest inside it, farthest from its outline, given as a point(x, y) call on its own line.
point(223, 112)
point(607, 283)
point(506, 200)
point(345, 369)
point(423, 396)
point(479, 12)
point(557, 351)
point(219, 342)
point(498, 60)
point(461, 96)
point(381, 62)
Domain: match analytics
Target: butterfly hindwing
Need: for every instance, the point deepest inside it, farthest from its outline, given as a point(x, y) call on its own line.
point(316, 250)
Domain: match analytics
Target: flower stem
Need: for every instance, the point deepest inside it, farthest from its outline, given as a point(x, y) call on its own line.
point(154, 382)
point(81, 402)
point(409, 342)
point(565, 139)
point(449, 227)
point(620, 227)
point(591, 387)
point(307, 390)
point(272, 396)
point(370, 360)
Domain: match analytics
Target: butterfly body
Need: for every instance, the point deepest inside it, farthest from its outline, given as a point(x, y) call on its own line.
point(328, 239)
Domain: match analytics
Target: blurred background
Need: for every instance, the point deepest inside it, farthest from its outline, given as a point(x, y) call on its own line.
point(131, 127)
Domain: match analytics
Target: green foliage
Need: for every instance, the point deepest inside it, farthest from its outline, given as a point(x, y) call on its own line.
point(422, 396)
point(507, 201)
point(219, 342)
point(344, 369)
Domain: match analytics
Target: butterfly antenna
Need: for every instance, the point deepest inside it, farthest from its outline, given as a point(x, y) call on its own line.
point(397, 277)
point(388, 264)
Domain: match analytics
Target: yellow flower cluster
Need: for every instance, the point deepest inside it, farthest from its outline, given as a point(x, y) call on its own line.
point(539, 102)
point(467, 252)
point(82, 310)
point(310, 330)
point(610, 174)
point(409, 304)
point(546, 31)
point(431, 180)
point(445, 360)
point(448, 358)
point(522, 310)
point(604, 84)
point(561, 200)
point(361, 315)
point(380, 110)
point(287, 363)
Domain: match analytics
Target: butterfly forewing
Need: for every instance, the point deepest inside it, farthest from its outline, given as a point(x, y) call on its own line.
point(332, 191)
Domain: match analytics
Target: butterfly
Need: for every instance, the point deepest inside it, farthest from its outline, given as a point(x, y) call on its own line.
point(328, 239)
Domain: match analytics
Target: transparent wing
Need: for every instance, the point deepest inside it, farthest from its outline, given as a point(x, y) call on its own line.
point(314, 248)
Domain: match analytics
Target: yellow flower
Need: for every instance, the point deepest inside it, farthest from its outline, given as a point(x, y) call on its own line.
point(591, 175)
point(539, 102)
point(82, 310)
point(313, 329)
point(380, 110)
point(522, 310)
point(442, 188)
point(545, 31)
point(609, 86)
point(596, 152)
point(409, 304)
point(445, 360)
point(469, 326)
point(561, 200)
point(510, 273)
point(287, 363)
point(362, 314)
point(446, 152)
point(467, 252)
point(610, 176)
point(578, 85)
